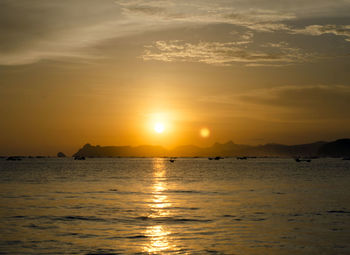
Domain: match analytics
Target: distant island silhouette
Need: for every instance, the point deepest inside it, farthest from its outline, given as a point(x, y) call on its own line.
point(338, 148)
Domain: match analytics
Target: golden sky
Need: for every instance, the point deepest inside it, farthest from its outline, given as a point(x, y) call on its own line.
point(106, 71)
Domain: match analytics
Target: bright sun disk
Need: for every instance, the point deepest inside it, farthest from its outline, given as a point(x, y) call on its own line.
point(159, 127)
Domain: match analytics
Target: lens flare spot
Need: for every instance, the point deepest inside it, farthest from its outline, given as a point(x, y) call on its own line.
point(205, 132)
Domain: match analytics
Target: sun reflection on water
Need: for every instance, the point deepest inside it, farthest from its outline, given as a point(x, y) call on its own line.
point(159, 240)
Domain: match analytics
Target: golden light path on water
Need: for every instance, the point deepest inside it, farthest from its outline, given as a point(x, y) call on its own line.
point(159, 240)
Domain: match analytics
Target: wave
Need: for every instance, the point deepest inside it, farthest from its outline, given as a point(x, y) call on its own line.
point(339, 211)
point(80, 218)
point(170, 219)
point(192, 192)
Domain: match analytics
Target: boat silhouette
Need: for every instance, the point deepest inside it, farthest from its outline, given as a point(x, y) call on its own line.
point(14, 158)
point(302, 160)
point(216, 158)
point(79, 158)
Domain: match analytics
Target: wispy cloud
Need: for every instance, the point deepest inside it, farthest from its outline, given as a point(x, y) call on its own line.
point(340, 30)
point(255, 15)
point(207, 12)
point(286, 103)
point(31, 31)
point(34, 30)
point(225, 53)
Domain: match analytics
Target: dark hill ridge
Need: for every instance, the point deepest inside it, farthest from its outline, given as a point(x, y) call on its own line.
point(338, 148)
point(121, 151)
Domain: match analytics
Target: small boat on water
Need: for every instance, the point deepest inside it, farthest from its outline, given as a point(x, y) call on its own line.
point(172, 160)
point(14, 158)
point(216, 158)
point(302, 160)
point(241, 158)
point(79, 158)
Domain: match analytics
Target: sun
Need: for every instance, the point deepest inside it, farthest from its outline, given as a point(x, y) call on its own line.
point(159, 127)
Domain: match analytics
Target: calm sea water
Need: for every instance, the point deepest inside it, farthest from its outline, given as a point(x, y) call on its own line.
point(192, 206)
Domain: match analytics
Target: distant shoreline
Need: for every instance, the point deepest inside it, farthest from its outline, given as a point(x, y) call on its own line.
point(337, 149)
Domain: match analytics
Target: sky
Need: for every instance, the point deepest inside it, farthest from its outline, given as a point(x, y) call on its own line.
point(107, 72)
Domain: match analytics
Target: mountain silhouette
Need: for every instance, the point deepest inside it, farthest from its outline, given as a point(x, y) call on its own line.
point(338, 148)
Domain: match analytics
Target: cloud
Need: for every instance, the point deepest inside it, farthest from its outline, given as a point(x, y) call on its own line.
point(262, 15)
point(286, 103)
point(307, 102)
point(265, 10)
point(207, 12)
point(31, 31)
point(340, 30)
point(34, 30)
point(257, 16)
point(225, 53)
point(144, 9)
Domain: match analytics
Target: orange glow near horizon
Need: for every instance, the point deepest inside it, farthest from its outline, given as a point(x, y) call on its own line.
point(159, 128)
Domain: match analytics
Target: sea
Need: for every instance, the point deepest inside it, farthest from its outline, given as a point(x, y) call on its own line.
point(191, 206)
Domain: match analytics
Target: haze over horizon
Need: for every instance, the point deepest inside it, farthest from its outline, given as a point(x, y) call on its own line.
point(170, 73)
